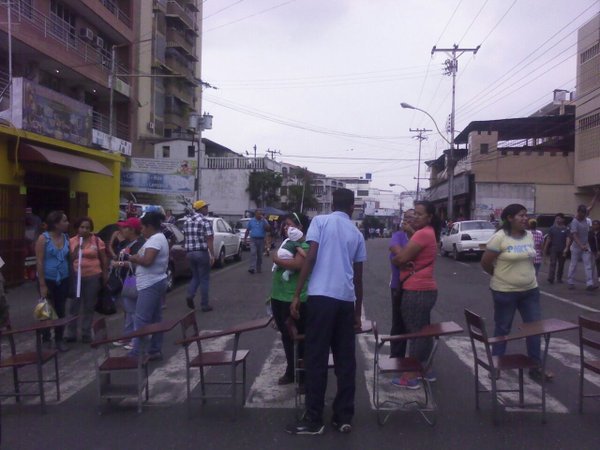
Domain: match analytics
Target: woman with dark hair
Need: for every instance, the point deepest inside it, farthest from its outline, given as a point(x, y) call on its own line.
point(416, 261)
point(151, 280)
point(93, 270)
point(282, 293)
point(52, 258)
point(508, 258)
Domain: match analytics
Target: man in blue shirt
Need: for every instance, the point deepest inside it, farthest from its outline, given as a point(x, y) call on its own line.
point(335, 263)
point(257, 229)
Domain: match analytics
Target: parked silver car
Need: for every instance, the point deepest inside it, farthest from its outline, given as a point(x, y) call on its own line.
point(227, 243)
point(467, 237)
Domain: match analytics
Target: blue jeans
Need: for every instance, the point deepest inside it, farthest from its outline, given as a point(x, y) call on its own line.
point(129, 310)
point(505, 306)
point(200, 267)
point(257, 247)
point(148, 309)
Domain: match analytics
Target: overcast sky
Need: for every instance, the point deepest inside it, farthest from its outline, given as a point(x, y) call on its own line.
point(322, 80)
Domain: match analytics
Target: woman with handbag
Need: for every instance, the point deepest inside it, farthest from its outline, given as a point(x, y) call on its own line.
point(151, 280)
point(90, 267)
point(52, 258)
point(131, 230)
point(416, 261)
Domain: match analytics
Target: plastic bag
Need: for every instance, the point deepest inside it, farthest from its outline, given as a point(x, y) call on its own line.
point(129, 287)
point(44, 310)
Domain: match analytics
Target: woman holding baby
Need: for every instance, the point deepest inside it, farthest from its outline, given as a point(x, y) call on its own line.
point(288, 262)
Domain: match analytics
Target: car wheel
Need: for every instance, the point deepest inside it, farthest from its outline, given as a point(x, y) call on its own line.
point(220, 262)
point(238, 255)
point(170, 277)
point(456, 254)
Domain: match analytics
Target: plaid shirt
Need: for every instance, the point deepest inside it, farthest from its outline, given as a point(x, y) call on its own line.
point(196, 230)
point(538, 242)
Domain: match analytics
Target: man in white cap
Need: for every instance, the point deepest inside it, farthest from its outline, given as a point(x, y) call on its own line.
point(198, 243)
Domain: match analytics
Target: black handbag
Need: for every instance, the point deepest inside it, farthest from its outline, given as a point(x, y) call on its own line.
point(115, 282)
point(105, 303)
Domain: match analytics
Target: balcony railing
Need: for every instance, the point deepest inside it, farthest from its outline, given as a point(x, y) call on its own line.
point(176, 10)
point(178, 67)
point(178, 40)
point(115, 10)
point(59, 31)
point(222, 163)
point(100, 122)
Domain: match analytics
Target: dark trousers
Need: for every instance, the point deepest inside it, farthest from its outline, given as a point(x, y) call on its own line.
point(57, 297)
point(397, 349)
point(330, 324)
point(281, 312)
point(557, 265)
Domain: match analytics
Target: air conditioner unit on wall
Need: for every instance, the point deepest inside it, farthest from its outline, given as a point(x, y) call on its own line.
point(99, 42)
point(86, 33)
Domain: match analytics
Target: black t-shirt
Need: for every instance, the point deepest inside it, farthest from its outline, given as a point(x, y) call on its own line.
point(133, 249)
point(558, 237)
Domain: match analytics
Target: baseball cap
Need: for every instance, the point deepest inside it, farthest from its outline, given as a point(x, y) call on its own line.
point(133, 223)
point(199, 204)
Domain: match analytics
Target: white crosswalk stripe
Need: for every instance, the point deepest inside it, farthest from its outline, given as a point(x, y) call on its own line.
point(77, 370)
point(388, 393)
point(265, 392)
point(461, 346)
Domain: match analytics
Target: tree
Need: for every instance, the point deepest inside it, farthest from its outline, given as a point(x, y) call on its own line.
point(301, 195)
point(263, 186)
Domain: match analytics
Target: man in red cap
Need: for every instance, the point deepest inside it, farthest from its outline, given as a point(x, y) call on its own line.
point(198, 243)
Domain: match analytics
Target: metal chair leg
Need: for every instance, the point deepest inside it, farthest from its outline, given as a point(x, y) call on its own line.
point(40, 373)
point(581, 390)
point(494, 398)
point(202, 386)
point(521, 393)
point(16, 384)
point(476, 387)
point(244, 383)
point(57, 379)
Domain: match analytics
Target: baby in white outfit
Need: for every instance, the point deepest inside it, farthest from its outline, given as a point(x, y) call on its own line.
point(289, 248)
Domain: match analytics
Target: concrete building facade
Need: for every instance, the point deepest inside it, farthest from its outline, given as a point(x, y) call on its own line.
point(587, 126)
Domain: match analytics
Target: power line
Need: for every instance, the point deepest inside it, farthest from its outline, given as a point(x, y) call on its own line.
point(510, 71)
point(473, 21)
point(222, 9)
point(250, 16)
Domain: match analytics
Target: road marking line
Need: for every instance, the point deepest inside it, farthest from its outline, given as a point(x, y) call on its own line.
point(463, 263)
point(265, 392)
point(570, 302)
point(568, 354)
point(387, 391)
point(461, 346)
point(168, 382)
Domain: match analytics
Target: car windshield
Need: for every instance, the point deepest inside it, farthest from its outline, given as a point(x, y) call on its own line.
point(482, 225)
point(242, 225)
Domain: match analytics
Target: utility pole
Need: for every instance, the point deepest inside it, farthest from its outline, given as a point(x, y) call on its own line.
point(451, 68)
point(111, 86)
point(273, 153)
point(421, 138)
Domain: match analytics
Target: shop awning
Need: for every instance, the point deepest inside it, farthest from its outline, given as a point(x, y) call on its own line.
point(28, 152)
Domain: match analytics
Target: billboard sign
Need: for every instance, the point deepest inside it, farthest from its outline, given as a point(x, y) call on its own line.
point(49, 113)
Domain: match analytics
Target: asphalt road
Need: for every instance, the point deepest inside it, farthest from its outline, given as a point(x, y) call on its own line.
point(73, 423)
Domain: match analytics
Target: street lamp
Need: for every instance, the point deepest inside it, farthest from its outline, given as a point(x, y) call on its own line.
point(450, 208)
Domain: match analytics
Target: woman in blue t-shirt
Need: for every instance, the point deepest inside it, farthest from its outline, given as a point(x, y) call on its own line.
point(52, 258)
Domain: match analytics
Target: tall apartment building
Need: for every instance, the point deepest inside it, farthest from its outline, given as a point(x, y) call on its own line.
point(57, 149)
point(170, 50)
point(587, 121)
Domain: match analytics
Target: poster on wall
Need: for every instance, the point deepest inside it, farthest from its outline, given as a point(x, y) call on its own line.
point(49, 113)
point(492, 198)
point(166, 182)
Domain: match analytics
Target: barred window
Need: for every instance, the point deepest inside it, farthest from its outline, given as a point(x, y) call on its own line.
point(589, 53)
point(589, 122)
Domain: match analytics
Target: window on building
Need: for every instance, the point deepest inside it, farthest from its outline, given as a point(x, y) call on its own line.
point(589, 53)
point(284, 172)
point(484, 148)
point(166, 151)
point(191, 151)
point(362, 193)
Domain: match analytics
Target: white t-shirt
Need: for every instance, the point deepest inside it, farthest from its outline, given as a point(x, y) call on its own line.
point(157, 271)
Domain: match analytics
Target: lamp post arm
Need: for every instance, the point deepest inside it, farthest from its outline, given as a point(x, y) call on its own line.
point(434, 122)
